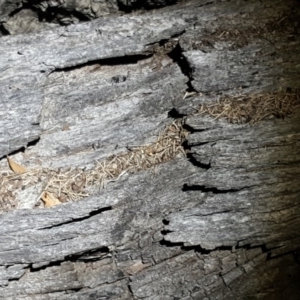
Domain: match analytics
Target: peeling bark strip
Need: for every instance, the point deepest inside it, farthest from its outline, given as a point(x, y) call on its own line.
point(222, 223)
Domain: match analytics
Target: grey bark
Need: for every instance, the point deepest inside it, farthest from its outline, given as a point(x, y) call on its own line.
point(222, 223)
point(17, 16)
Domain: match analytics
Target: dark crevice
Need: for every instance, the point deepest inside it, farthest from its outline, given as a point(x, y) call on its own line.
point(34, 142)
point(200, 143)
point(165, 222)
point(91, 214)
point(124, 60)
point(197, 249)
point(177, 56)
point(50, 15)
point(3, 30)
point(22, 149)
point(74, 290)
point(128, 6)
point(170, 244)
point(265, 249)
point(196, 163)
point(165, 232)
point(47, 265)
point(114, 61)
point(186, 147)
point(205, 189)
point(174, 114)
point(200, 250)
point(130, 289)
point(189, 128)
point(88, 256)
point(66, 292)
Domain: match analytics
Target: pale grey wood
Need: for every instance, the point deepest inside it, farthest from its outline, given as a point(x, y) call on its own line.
point(78, 233)
point(71, 227)
point(250, 146)
point(102, 118)
point(41, 54)
point(246, 68)
point(222, 223)
point(253, 175)
point(18, 17)
point(28, 198)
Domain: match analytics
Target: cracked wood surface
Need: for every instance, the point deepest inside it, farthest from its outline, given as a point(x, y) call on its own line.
point(34, 58)
point(253, 201)
point(222, 223)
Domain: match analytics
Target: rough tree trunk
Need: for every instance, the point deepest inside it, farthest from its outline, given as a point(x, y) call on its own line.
point(221, 221)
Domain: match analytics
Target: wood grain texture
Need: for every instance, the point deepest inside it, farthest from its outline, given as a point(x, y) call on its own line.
point(221, 223)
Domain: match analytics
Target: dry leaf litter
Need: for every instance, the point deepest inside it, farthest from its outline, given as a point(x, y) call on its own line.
point(253, 108)
point(73, 184)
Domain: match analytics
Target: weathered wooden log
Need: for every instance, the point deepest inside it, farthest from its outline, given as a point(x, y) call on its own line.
point(220, 222)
